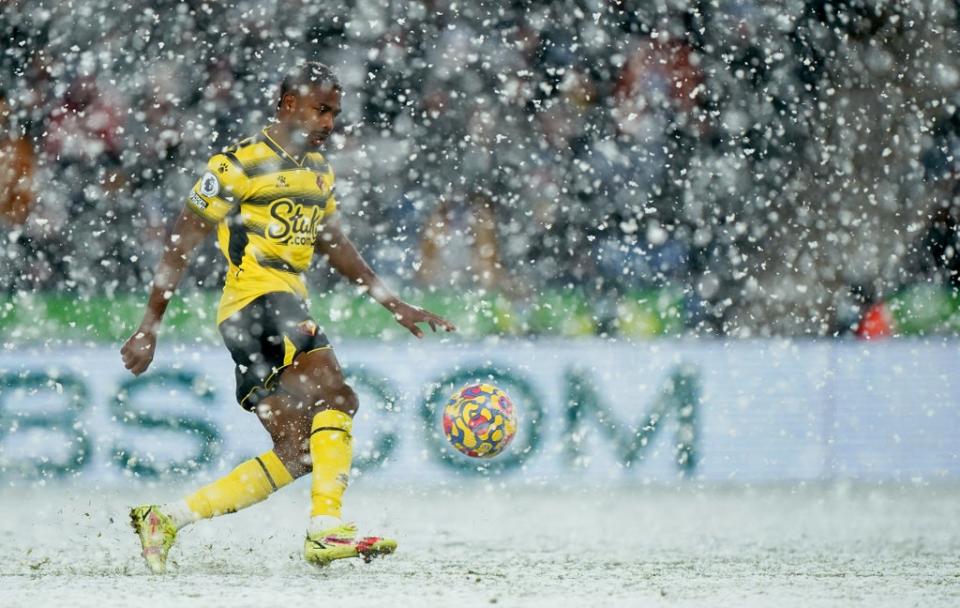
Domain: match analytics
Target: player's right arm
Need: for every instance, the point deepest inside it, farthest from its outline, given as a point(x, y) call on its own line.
point(188, 232)
point(213, 196)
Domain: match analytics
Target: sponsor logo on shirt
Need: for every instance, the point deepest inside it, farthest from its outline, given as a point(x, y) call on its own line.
point(196, 200)
point(293, 224)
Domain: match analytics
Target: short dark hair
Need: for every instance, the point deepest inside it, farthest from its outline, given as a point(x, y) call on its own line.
point(311, 73)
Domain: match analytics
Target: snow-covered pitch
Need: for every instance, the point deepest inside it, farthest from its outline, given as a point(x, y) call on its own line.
point(789, 545)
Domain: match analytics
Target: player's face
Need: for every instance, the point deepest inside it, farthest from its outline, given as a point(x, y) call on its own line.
point(315, 114)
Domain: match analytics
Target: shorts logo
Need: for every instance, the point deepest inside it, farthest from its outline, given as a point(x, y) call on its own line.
point(209, 185)
point(308, 327)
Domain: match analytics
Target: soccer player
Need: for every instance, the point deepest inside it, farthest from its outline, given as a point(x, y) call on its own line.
point(270, 199)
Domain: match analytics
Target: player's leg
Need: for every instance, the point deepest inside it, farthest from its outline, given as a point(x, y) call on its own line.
point(247, 484)
point(288, 423)
point(287, 420)
point(317, 380)
point(254, 338)
point(255, 342)
point(288, 375)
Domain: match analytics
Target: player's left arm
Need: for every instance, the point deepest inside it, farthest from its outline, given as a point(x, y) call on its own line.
point(344, 257)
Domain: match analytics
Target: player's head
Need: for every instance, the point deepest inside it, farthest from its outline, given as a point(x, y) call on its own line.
point(309, 102)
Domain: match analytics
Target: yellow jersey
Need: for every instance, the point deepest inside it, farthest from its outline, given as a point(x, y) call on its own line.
point(268, 208)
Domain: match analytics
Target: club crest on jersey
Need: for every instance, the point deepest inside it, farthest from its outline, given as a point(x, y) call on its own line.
point(209, 185)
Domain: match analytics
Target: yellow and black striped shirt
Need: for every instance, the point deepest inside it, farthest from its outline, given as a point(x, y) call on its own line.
point(268, 208)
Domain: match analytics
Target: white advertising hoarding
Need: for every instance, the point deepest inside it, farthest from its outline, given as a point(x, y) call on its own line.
point(605, 410)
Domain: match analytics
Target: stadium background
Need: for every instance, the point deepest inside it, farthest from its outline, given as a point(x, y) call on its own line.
point(736, 168)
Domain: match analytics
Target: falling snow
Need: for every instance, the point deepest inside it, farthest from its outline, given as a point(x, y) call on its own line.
point(767, 189)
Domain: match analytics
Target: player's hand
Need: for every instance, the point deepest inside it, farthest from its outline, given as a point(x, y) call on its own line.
point(409, 316)
point(137, 351)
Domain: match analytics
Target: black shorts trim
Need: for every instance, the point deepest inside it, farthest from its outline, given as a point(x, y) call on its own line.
point(264, 337)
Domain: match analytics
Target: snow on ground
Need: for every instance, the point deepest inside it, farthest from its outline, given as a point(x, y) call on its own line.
point(807, 546)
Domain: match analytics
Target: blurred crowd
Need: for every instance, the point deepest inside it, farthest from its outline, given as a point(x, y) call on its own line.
point(774, 161)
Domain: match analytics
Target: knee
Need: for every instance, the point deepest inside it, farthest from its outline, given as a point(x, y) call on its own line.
point(339, 396)
point(344, 399)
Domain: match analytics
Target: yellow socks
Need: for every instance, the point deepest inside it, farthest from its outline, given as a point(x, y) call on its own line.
point(247, 484)
point(331, 449)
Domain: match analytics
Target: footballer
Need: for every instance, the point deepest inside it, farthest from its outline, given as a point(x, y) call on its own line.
point(271, 200)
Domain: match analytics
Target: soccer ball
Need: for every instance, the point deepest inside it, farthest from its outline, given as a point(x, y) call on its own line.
point(479, 420)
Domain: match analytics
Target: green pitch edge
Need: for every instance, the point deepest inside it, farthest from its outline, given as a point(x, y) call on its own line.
point(925, 309)
point(32, 318)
